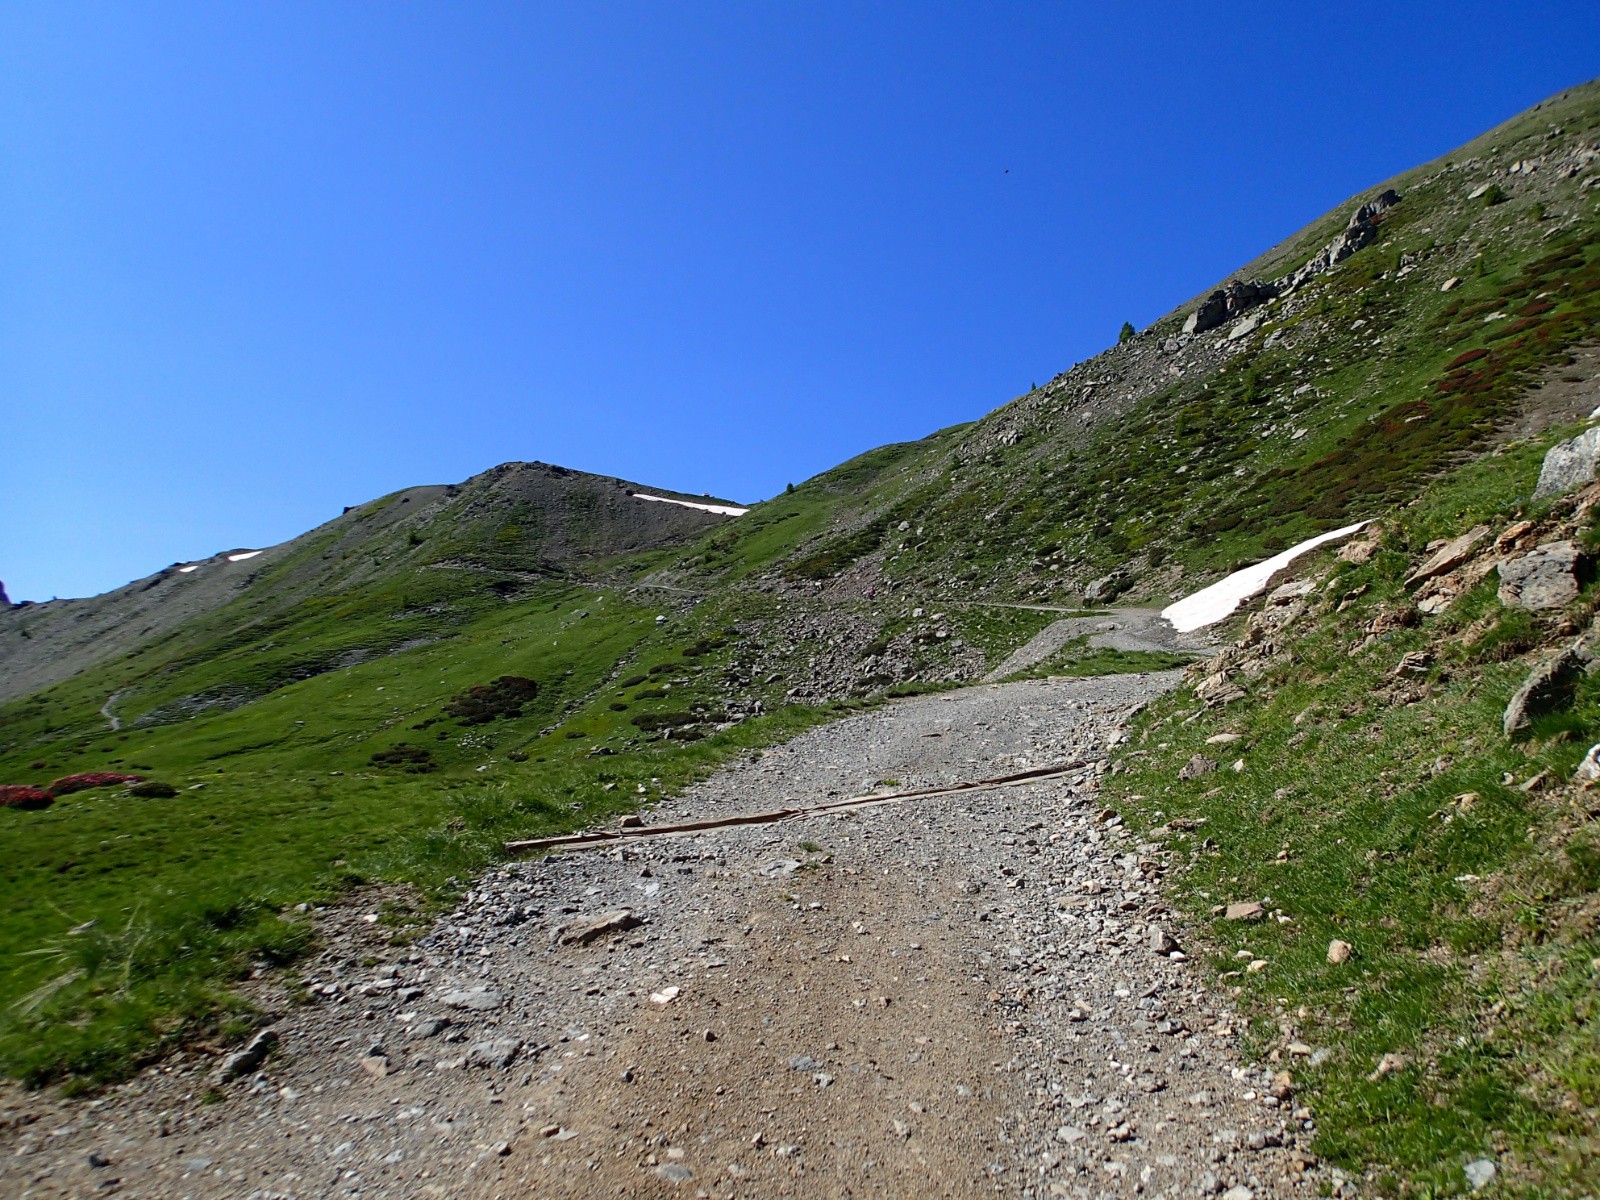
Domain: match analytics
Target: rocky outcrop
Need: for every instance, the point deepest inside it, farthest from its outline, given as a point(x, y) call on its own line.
point(1360, 232)
point(1226, 303)
point(1567, 467)
point(1239, 297)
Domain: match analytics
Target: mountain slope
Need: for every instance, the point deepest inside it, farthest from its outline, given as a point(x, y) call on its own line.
point(386, 698)
point(496, 532)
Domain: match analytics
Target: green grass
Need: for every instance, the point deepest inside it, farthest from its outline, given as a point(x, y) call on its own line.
point(280, 803)
point(1473, 922)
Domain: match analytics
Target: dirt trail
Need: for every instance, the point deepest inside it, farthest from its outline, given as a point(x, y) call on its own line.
point(1115, 629)
point(953, 995)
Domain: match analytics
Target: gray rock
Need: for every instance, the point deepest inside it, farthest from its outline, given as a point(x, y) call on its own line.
point(1197, 766)
point(1449, 556)
point(804, 1062)
point(430, 1027)
point(1543, 579)
point(1161, 942)
point(1547, 687)
point(1480, 1173)
point(254, 1053)
point(602, 926)
point(1106, 589)
point(498, 1054)
point(1569, 465)
point(674, 1172)
point(480, 999)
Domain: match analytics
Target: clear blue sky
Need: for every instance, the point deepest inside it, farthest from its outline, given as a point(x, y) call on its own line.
point(260, 261)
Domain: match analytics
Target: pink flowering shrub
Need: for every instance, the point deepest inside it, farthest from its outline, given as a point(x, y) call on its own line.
point(68, 784)
point(22, 795)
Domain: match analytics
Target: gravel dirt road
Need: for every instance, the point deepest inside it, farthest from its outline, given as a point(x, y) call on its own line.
point(963, 995)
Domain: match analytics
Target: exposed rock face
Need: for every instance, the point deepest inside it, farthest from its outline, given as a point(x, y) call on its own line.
point(1238, 297)
point(1360, 232)
point(1546, 578)
point(1546, 688)
point(1567, 467)
point(1225, 303)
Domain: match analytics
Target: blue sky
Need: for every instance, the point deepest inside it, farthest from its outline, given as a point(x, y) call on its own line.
point(260, 261)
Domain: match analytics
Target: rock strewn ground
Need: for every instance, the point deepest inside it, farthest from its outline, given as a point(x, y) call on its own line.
point(954, 996)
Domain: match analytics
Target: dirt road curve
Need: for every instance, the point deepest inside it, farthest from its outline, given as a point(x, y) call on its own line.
point(953, 996)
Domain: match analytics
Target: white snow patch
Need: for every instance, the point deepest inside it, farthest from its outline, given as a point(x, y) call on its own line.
point(1209, 605)
point(722, 510)
point(245, 555)
point(190, 567)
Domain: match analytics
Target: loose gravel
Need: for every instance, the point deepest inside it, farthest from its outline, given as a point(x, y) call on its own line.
point(959, 995)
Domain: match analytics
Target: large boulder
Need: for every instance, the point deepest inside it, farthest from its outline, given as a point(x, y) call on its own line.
point(1569, 465)
point(1542, 579)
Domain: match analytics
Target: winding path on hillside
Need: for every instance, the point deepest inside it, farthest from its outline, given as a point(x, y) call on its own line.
point(960, 994)
point(1128, 629)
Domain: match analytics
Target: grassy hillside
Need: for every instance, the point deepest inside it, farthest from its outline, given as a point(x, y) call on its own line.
point(1365, 792)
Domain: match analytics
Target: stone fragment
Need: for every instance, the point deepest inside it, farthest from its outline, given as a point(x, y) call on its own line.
point(619, 921)
point(1589, 769)
point(1480, 1172)
point(375, 1065)
point(1448, 556)
point(498, 1054)
point(1388, 1065)
point(1541, 579)
point(1451, 284)
point(1512, 536)
point(1224, 739)
point(1247, 910)
point(665, 996)
point(1569, 465)
point(1161, 942)
point(674, 1172)
point(1339, 952)
point(1547, 687)
point(254, 1053)
point(430, 1027)
point(1197, 766)
point(1216, 690)
point(479, 999)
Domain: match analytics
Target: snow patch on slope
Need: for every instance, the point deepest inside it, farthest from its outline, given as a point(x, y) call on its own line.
point(722, 510)
point(1209, 605)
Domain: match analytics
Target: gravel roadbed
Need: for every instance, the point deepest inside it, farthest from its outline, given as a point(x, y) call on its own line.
point(959, 995)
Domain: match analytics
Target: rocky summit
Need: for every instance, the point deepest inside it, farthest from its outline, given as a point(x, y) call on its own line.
point(552, 834)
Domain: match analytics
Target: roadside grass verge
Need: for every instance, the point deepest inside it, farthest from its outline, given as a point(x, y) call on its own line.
point(1389, 812)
